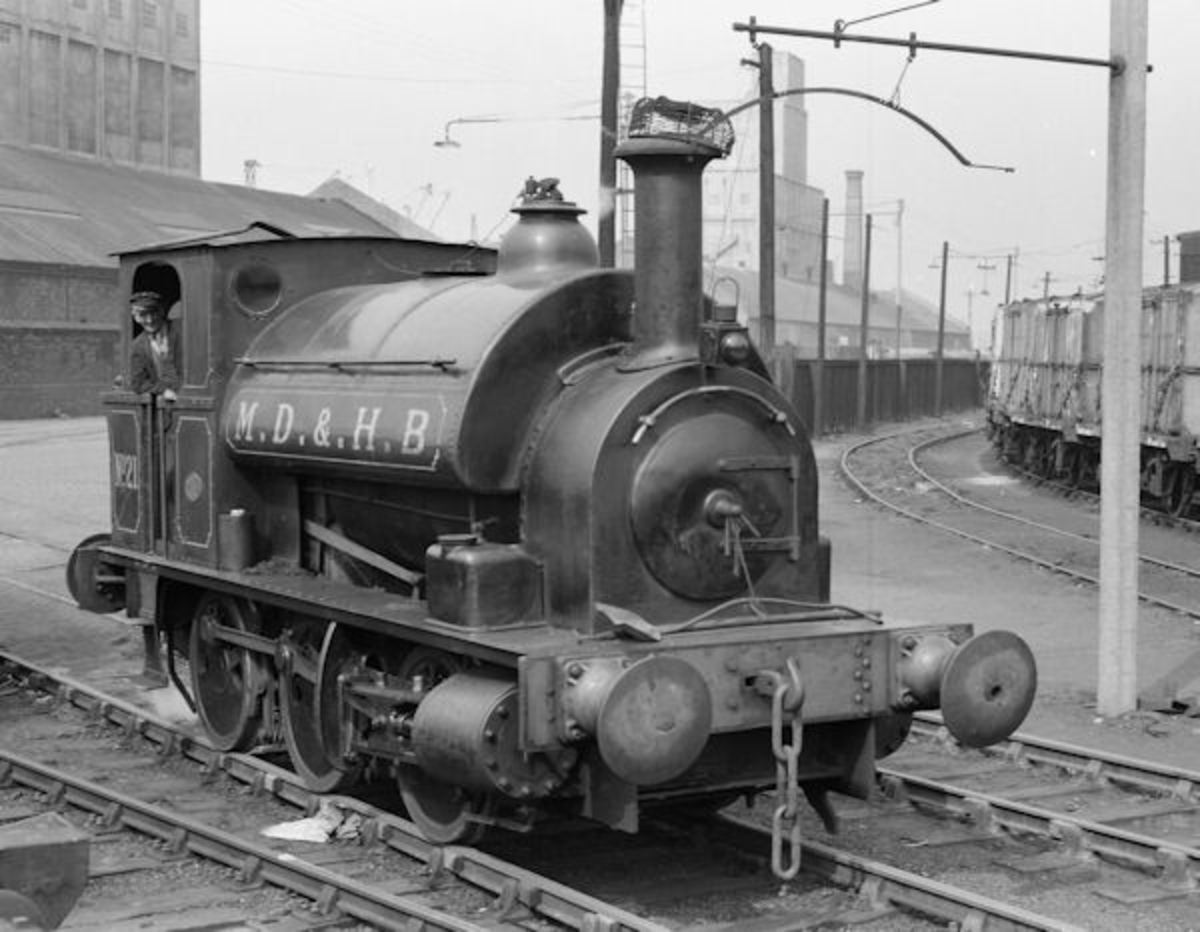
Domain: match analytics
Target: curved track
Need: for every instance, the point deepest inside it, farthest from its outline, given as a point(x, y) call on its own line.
point(1167, 583)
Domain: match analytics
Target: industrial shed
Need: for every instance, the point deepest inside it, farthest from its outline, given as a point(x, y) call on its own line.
point(797, 310)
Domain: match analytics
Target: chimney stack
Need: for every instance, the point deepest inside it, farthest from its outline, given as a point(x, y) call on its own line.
point(668, 146)
point(1189, 257)
point(852, 256)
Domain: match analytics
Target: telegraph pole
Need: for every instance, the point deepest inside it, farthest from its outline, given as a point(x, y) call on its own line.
point(606, 223)
point(766, 201)
point(1120, 382)
point(901, 375)
point(864, 327)
point(818, 378)
point(938, 371)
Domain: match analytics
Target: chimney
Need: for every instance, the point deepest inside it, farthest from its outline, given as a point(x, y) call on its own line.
point(668, 146)
point(852, 255)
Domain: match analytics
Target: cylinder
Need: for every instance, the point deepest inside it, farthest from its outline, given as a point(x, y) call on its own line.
point(467, 732)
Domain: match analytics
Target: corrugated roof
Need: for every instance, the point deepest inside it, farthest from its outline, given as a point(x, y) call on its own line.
point(376, 210)
point(63, 209)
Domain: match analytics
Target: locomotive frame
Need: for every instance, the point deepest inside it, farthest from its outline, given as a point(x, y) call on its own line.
point(529, 537)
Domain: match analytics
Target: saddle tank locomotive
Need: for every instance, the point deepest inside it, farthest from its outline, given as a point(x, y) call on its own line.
point(535, 542)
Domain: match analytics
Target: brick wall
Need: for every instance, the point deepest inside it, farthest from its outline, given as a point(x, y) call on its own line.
point(58, 293)
point(50, 370)
point(59, 339)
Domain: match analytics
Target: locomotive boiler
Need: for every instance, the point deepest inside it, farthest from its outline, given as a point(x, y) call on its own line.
point(534, 540)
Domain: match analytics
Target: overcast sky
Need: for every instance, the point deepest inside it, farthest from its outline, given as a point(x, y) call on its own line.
point(363, 88)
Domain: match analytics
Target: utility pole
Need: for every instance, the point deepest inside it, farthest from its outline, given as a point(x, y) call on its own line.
point(938, 371)
point(1116, 689)
point(901, 374)
point(766, 201)
point(899, 270)
point(818, 424)
point(971, 315)
point(864, 327)
point(606, 223)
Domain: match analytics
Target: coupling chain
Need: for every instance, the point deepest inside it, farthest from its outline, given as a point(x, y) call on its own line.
point(787, 699)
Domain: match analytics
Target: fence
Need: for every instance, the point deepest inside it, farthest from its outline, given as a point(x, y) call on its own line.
point(897, 390)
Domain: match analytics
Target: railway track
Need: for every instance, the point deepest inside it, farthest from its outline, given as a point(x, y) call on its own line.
point(644, 873)
point(953, 796)
point(185, 812)
point(1141, 817)
point(131, 773)
point(887, 470)
point(1072, 832)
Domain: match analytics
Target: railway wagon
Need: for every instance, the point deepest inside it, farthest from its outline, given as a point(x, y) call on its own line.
point(1045, 409)
point(537, 543)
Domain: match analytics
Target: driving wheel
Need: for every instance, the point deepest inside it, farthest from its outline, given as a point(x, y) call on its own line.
point(302, 674)
point(443, 812)
point(228, 680)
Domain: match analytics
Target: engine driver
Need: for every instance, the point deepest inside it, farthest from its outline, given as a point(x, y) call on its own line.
point(155, 354)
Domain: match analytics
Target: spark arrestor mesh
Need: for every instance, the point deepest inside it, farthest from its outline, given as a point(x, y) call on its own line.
point(679, 119)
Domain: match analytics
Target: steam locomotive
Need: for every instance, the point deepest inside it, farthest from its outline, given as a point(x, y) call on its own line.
point(531, 537)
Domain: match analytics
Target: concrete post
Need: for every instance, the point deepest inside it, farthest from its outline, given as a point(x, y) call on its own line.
point(1120, 383)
